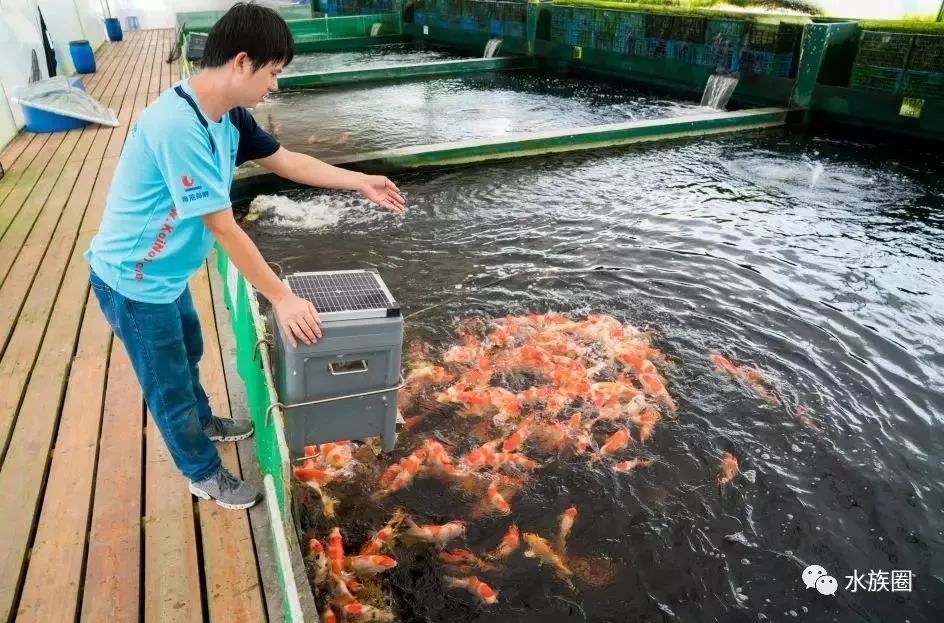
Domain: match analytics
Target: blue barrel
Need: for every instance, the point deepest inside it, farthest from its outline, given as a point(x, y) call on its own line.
point(113, 29)
point(82, 56)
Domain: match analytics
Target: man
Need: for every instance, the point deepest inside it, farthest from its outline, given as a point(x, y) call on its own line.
point(169, 201)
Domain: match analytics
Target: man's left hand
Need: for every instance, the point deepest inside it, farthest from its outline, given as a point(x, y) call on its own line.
point(383, 192)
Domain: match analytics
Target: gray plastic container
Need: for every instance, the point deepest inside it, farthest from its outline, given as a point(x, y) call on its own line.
point(352, 357)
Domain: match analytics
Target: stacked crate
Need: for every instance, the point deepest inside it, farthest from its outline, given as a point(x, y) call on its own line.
point(880, 61)
point(770, 49)
point(925, 75)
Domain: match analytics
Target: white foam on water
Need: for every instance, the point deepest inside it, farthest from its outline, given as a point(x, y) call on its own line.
point(314, 213)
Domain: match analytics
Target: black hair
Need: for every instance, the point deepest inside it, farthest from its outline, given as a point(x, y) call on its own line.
point(256, 30)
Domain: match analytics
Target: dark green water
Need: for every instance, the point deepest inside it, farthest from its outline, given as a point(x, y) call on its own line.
point(818, 259)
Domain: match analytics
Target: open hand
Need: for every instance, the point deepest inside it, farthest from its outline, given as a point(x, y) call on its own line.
point(298, 319)
point(383, 192)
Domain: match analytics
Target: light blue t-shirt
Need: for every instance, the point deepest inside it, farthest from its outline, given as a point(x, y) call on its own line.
point(176, 165)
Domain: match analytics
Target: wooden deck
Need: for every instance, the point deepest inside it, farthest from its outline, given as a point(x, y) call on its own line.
point(96, 524)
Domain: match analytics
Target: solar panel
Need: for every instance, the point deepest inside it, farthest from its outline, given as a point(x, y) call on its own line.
point(345, 294)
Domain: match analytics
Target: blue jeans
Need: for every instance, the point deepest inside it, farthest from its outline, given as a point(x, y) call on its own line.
point(164, 343)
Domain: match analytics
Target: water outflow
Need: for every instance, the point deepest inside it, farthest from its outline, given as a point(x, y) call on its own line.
point(375, 29)
point(718, 91)
point(491, 48)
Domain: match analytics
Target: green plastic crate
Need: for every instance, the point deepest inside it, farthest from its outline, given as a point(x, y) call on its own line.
point(886, 79)
point(927, 54)
point(883, 49)
point(923, 84)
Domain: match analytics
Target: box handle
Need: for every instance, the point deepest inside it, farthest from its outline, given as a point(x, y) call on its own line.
point(338, 368)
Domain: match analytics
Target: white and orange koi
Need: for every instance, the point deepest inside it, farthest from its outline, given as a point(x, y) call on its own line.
point(752, 376)
point(319, 560)
point(336, 454)
point(514, 440)
point(481, 457)
point(384, 537)
point(482, 591)
point(369, 565)
point(428, 374)
point(512, 459)
point(647, 421)
point(509, 543)
point(494, 501)
point(335, 551)
point(436, 534)
point(566, 525)
point(328, 615)
point(631, 464)
point(361, 613)
point(405, 472)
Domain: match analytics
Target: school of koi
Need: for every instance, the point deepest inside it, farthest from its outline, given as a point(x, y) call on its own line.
point(521, 392)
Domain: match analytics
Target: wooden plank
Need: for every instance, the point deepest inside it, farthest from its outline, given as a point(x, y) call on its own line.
point(234, 591)
point(112, 576)
point(35, 205)
point(171, 574)
point(54, 577)
point(13, 175)
point(14, 148)
point(24, 465)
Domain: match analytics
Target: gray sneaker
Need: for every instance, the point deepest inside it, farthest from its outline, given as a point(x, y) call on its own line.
point(228, 490)
point(227, 429)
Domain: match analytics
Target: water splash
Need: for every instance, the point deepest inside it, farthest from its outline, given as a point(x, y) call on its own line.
point(491, 48)
point(318, 212)
point(718, 91)
point(375, 29)
point(817, 172)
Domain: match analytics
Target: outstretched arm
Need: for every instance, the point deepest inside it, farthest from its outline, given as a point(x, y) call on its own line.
point(304, 169)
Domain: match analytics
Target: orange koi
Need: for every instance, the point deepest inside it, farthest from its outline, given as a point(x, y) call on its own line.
point(436, 534)
point(614, 443)
point(328, 616)
point(752, 376)
point(477, 587)
point(483, 456)
point(309, 473)
point(728, 469)
point(513, 459)
point(428, 374)
point(335, 551)
point(369, 565)
point(647, 421)
point(518, 437)
point(336, 454)
point(538, 548)
point(534, 395)
point(463, 557)
point(631, 464)
point(361, 613)
point(652, 385)
point(509, 543)
point(467, 353)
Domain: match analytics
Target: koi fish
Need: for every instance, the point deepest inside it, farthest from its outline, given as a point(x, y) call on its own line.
point(509, 543)
point(653, 386)
point(436, 534)
point(482, 591)
point(401, 476)
point(513, 441)
point(647, 421)
point(336, 454)
point(309, 473)
point(360, 613)
point(336, 551)
point(328, 616)
point(463, 557)
point(494, 501)
point(728, 469)
point(383, 537)
point(566, 524)
point(369, 565)
point(316, 553)
point(752, 376)
point(614, 443)
point(631, 464)
point(428, 374)
point(538, 548)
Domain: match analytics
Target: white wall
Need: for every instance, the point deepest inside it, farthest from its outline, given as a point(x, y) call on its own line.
point(162, 13)
point(880, 9)
point(19, 36)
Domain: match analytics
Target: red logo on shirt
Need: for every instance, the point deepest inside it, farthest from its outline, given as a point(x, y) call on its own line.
point(187, 181)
